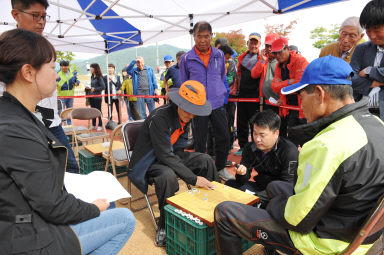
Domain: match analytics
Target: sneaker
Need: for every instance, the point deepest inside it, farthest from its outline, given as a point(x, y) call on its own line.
point(225, 175)
point(99, 128)
point(228, 163)
point(161, 237)
point(239, 152)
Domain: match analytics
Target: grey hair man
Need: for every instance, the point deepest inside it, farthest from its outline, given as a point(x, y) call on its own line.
point(350, 34)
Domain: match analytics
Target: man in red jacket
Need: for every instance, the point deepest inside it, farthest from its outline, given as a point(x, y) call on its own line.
point(289, 70)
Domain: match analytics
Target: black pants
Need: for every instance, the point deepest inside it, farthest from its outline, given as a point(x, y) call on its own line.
point(234, 221)
point(117, 105)
point(165, 179)
point(95, 102)
point(291, 120)
point(251, 186)
point(230, 110)
point(219, 123)
point(244, 113)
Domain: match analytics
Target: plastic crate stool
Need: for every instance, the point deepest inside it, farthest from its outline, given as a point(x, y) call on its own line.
point(188, 235)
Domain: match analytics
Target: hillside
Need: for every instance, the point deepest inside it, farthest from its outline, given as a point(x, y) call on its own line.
point(123, 57)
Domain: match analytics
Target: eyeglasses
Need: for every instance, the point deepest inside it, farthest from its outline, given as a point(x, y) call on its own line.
point(37, 16)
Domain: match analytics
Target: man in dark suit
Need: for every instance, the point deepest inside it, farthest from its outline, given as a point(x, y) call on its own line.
point(367, 60)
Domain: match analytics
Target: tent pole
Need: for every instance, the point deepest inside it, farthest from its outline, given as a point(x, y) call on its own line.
point(157, 55)
point(108, 89)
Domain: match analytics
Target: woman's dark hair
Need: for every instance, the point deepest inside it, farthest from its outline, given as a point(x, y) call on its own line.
point(226, 49)
point(372, 14)
point(19, 47)
point(111, 65)
point(98, 72)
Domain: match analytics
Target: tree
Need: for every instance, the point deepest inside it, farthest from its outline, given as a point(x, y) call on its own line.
point(235, 39)
point(324, 36)
point(68, 56)
point(280, 29)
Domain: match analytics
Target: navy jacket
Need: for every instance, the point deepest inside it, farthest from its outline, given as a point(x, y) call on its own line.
point(154, 144)
point(364, 56)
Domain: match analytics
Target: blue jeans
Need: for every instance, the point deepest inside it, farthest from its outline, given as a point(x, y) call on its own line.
point(381, 103)
point(150, 104)
point(67, 103)
point(72, 165)
point(106, 234)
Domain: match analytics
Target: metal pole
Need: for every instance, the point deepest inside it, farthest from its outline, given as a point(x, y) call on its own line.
point(108, 89)
point(157, 55)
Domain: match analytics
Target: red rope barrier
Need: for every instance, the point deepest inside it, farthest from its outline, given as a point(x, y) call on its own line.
point(249, 100)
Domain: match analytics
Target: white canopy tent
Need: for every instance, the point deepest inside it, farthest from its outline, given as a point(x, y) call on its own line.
point(72, 25)
point(105, 26)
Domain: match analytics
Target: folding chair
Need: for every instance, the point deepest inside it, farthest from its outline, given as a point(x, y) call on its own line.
point(130, 132)
point(117, 157)
point(68, 129)
point(373, 224)
point(88, 136)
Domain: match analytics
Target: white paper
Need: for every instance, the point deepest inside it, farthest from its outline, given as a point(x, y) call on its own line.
point(272, 100)
point(249, 192)
point(95, 185)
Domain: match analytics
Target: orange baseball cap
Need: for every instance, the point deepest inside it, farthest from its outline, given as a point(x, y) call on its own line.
point(191, 97)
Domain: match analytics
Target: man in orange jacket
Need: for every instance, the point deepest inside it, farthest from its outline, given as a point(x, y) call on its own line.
point(289, 70)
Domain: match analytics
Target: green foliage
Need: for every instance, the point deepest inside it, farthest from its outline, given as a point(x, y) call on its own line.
point(68, 56)
point(235, 39)
point(324, 36)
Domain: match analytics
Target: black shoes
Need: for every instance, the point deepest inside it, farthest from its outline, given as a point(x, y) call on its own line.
point(161, 237)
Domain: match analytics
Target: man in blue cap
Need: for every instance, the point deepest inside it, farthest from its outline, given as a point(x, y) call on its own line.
point(339, 174)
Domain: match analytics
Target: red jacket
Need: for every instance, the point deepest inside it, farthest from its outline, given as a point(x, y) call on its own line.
point(296, 69)
point(259, 71)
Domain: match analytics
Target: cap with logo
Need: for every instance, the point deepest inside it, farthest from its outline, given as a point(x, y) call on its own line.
point(270, 38)
point(168, 58)
point(191, 97)
point(327, 70)
point(279, 44)
point(254, 35)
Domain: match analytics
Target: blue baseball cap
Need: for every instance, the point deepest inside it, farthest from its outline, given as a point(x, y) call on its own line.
point(327, 70)
point(168, 58)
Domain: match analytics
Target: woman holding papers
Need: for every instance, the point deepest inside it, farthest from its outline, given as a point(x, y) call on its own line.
point(37, 215)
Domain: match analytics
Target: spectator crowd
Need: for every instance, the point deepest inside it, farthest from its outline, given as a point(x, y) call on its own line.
point(309, 137)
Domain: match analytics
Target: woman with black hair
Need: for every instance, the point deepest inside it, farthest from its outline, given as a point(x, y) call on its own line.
point(37, 214)
point(97, 86)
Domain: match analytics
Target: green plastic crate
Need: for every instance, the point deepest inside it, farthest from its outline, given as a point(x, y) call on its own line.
point(89, 162)
point(186, 237)
point(69, 138)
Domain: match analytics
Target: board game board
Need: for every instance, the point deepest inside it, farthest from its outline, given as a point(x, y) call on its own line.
point(201, 202)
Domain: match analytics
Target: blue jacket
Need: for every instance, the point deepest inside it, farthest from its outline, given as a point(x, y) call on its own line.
point(151, 78)
point(213, 77)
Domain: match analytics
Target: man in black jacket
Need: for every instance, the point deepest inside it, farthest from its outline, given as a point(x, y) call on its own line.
point(159, 155)
point(272, 157)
